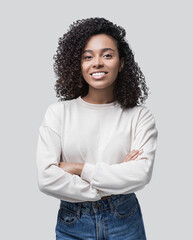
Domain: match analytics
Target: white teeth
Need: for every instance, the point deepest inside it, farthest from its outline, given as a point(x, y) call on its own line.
point(99, 73)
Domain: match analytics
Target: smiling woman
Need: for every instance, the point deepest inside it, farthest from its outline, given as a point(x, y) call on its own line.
point(97, 144)
point(100, 66)
point(76, 52)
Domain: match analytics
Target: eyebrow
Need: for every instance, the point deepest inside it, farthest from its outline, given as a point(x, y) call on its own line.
point(103, 50)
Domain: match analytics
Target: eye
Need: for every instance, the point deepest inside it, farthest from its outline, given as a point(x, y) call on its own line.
point(87, 57)
point(108, 55)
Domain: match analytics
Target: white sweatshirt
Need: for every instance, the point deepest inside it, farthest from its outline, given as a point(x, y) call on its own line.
point(99, 135)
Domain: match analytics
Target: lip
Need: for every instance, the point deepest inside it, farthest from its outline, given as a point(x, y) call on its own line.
point(98, 72)
point(97, 77)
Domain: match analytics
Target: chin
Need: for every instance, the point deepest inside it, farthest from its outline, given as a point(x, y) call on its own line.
point(100, 85)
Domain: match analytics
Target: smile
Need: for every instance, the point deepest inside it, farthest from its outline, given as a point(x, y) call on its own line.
point(98, 75)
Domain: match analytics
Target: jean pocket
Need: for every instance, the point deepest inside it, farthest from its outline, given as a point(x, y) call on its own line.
point(67, 216)
point(126, 207)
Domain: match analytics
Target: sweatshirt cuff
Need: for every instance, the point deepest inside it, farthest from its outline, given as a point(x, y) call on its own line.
point(88, 172)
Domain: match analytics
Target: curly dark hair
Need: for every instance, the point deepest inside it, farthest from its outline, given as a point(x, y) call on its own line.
point(130, 86)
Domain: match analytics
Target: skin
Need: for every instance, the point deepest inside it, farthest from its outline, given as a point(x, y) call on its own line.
point(96, 57)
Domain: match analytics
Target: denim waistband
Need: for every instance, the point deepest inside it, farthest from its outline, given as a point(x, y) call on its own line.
point(90, 207)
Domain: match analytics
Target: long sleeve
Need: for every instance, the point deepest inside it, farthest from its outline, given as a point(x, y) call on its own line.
point(52, 180)
point(131, 176)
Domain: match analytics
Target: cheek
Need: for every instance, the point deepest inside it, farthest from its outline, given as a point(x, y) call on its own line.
point(84, 67)
point(114, 68)
point(114, 65)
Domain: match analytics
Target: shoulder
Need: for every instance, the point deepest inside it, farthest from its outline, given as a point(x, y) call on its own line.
point(53, 113)
point(142, 110)
point(54, 109)
point(53, 116)
point(57, 109)
point(142, 114)
point(55, 106)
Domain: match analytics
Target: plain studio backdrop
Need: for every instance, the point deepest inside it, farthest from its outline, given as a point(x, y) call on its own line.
point(160, 35)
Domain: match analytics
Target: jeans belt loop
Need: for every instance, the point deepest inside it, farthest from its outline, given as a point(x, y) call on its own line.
point(111, 205)
point(78, 211)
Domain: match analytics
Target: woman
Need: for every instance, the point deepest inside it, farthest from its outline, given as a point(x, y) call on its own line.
point(97, 145)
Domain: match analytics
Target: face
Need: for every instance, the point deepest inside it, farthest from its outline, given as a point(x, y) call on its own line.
point(100, 61)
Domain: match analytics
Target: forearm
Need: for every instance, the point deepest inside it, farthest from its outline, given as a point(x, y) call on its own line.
point(78, 168)
point(72, 168)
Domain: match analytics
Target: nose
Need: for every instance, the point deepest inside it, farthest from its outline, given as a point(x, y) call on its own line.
point(97, 62)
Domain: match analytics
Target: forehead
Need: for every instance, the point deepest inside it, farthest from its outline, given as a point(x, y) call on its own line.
point(100, 41)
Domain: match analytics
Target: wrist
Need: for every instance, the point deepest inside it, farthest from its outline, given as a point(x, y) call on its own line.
point(78, 168)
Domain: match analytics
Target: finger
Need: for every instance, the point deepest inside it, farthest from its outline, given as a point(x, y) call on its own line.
point(128, 157)
point(141, 151)
point(137, 155)
point(136, 152)
point(132, 158)
point(133, 153)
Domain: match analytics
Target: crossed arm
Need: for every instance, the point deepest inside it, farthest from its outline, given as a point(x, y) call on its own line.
point(77, 182)
point(126, 176)
point(76, 168)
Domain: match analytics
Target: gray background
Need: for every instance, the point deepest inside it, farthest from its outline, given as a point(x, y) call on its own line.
point(159, 32)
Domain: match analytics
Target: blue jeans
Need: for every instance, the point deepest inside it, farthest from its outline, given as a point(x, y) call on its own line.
point(118, 217)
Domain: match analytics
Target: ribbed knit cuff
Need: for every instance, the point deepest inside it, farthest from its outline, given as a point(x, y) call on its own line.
point(88, 172)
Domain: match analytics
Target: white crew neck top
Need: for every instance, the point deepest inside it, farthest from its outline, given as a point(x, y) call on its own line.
point(94, 105)
point(100, 136)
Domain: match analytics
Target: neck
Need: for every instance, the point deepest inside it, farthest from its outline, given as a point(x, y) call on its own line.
point(99, 96)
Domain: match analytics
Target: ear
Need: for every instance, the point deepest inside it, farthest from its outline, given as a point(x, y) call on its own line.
point(121, 64)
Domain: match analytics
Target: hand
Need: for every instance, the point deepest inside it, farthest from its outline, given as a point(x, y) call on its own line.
point(72, 168)
point(68, 167)
point(132, 155)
